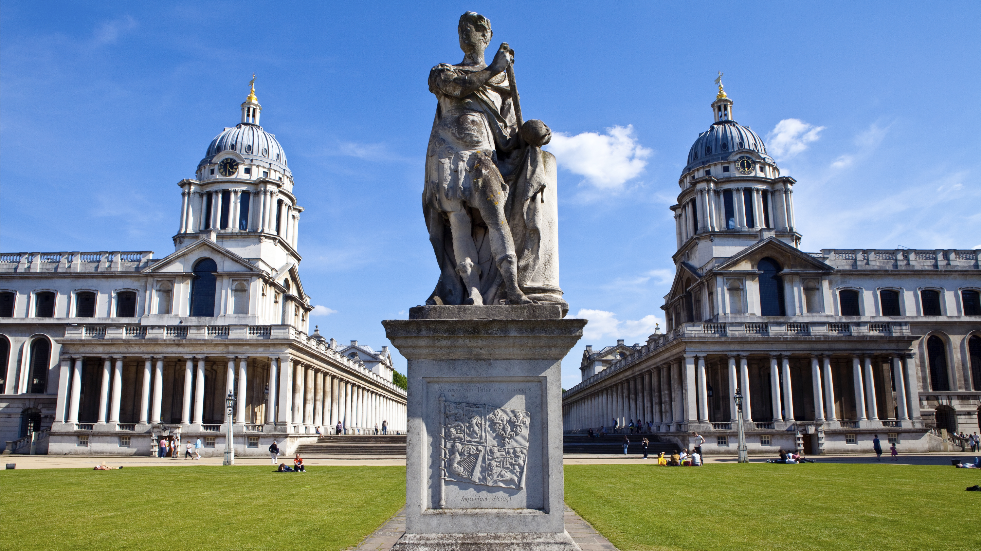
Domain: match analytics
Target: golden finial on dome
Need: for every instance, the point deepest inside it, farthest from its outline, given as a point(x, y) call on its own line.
point(254, 99)
point(722, 93)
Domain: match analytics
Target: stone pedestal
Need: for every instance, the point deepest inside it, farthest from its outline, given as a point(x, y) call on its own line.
point(484, 447)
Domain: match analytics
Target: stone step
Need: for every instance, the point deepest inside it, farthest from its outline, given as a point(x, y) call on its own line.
point(617, 448)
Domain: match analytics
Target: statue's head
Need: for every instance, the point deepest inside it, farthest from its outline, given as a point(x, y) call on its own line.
point(475, 32)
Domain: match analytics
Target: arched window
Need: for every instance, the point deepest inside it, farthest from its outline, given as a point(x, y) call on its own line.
point(126, 304)
point(931, 302)
point(240, 297)
point(946, 417)
point(974, 351)
point(937, 352)
point(203, 288)
point(7, 304)
point(44, 303)
point(5, 358)
point(848, 302)
point(40, 358)
point(689, 306)
point(165, 295)
point(889, 301)
point(771, 288)
point(84, 304)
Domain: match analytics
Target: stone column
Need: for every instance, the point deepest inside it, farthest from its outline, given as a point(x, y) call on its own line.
point(632, 398)
point(157, 391)
point(655, 398)
point(298, 383)
point(788, 394)
point(912, 387)
point(104, 393)
point(145, 394)
point(318, 399)
point(829, 390)
point(308, 397)
point(859, 388)
point(703, 410)
point(243, 375)
point(648, 396)
point(677, 393)
point(199, 393)
point(76, 390)
point(733, 385)
point(348, 401)
point(775, 388)
point(816, 378)
point(271, 392)
point(188, 383)
point(229, 383)
point(899, 380)
point(333, 401)
point(744, 385)
point(873, 414)
point(739, 208)
point(285, 391)
point(117, 391)
point(666, 406)
point(64, 394)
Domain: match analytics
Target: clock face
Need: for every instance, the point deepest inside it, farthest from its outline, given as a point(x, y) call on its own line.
point(228, 167)
point(744, 165)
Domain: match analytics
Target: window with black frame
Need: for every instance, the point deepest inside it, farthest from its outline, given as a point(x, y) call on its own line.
point(889, 302)
point(84, 304)
point(126, 304)
point(930, 299)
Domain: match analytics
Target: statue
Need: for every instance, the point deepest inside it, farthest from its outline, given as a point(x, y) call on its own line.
point(490, 196)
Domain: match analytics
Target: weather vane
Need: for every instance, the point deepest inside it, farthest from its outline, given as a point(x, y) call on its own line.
point(718, 81)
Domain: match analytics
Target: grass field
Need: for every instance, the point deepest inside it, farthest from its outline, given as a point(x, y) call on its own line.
point(196, 507)
point(763, 506)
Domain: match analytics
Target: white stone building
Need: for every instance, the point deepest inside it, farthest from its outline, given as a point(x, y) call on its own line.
point(104, 352)
point(829, 348)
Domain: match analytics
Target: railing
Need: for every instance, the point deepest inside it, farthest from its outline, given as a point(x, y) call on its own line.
point(890, 423)
point(840, 328)
point(758, 328)
point(51, 257)
point(714, 328)
point(253, 428)
point(135, 332)
point(211, 428)
point(90, 257)
point(260, 331)
point(218, 331)
point(883, 328)
point(847, 424)
point(131, 257)
point(799, 328)
point(86, 426)
point(95, 331)
point(10, 258)
point(721, 426)
point(176, 331)
point(126, 426)
point(763, 425)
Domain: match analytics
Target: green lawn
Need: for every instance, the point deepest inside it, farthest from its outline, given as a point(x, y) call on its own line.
point(196, 507)
point(764, 506)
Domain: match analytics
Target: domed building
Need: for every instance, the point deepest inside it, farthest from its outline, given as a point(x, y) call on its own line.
point(113, 352)
point(816, 351)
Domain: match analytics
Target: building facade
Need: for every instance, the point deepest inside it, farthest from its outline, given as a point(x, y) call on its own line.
point(107, 352)
point(826, 349)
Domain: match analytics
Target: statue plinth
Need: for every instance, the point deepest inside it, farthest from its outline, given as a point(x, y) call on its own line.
point(484, 448)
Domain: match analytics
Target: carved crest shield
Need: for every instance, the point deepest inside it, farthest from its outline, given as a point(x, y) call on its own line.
point(484, 445)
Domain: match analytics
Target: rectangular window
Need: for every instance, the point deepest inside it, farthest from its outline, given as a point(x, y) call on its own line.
point(212, 171)
point(893, 438)
point(124, 441)
point(725, 168)
point(265, 173)
point(209, 441)
point(931, 302)
point(85, 304)
point(727, 205)
point(889, 300)
point(83, 441)
point(44, 303)
point(848, 302)
point(208, 204)
point(247, 170)
point(765, 440)
point(226, 203)
point(766, 210)
point(126, 304)
point(243, 211)
point(971, 300)
point(721, 440)
point(748, 206)
point(253, 442)
point(694, 217)
point(850, 439)
point(7, 304)
point(708, 172)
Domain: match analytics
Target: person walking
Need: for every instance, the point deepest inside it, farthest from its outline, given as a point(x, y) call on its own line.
point(894, 452)
point(198, 446)
point(274, 452)
point(384, 427)
point(644, 443)
point(626, 443)
point(877, 447)
point(189, 451)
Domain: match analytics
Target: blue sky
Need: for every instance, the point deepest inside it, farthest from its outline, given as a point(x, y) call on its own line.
point(105, 106)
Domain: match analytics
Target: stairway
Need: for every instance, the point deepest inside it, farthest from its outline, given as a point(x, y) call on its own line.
point(613, 444)
point(380, 446)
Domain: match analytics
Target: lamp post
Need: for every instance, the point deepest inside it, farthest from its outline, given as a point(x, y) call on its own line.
point(743, 456)
point(229, 447)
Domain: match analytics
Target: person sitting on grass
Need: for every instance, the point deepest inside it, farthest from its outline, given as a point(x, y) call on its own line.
point(685, 458)
point(661, 460)
point(298, 464)
point(675, 459)
point(696, 459)
point(284, 468)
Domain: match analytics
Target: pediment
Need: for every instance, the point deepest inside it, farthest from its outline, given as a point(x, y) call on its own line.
point(685, 272)
point(183, 261)
point(789, 258)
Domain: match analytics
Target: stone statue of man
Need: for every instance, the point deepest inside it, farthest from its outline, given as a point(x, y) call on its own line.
point(489, 197)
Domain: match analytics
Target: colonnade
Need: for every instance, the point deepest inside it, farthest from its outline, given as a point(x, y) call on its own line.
point(262, 211)
point(705, 210)
point(298, 397)
point(666, 397)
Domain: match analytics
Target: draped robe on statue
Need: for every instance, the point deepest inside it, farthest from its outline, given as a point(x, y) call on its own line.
point(484, 120)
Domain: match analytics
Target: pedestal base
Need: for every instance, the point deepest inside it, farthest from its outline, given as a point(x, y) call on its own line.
point(486, 542)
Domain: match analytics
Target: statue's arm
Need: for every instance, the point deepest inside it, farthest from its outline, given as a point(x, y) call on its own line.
point(449, 80)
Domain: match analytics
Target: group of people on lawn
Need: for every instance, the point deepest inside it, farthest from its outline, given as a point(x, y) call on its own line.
point(283, 467)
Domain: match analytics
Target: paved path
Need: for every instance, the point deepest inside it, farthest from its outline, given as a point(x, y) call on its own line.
point(581, 531)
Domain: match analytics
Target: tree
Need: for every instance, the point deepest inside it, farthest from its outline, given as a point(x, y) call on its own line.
point(400, 380)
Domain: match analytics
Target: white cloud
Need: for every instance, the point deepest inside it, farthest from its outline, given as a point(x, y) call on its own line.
point(320, 310)
point(843, 161)
point(108, 32)
point(605, 325)
point(607, 161)
point(790, 137)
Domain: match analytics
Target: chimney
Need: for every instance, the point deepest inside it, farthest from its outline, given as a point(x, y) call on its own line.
point(619, 342)
point(354, 343)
